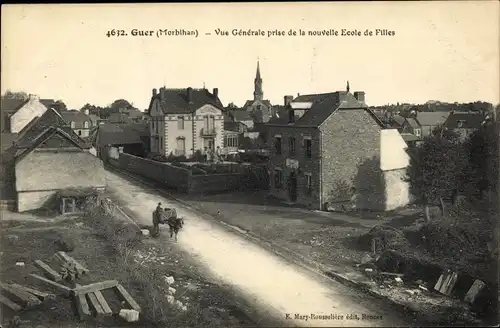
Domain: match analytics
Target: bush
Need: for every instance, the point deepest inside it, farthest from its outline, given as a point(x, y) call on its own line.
point(386, 238)
point(197, 157)
point(174, 158)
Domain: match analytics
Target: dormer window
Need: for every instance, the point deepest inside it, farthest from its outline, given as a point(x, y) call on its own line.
point(86, 124)
point(460, 123)
point(72, 125)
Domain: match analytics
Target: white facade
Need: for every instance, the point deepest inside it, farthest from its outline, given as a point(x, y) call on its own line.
point(184, 134)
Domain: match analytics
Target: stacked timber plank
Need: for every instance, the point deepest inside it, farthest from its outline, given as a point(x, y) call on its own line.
point(88, 299)
point(70, 268)
point(18, 297)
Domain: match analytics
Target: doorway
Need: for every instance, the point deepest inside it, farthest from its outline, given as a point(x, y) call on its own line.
point(292, 186)
point(209, 143)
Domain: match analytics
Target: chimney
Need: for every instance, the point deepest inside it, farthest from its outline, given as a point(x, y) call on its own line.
point(32, 97)
point(189, 94)
point(216, 93)
point(154, 92)
point(360, 96)
point(162, 93)
point(288, 100)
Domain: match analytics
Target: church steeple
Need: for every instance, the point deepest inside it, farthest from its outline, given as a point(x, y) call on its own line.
point(258, 94)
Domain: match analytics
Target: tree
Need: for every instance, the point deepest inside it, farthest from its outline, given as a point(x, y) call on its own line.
point(436, 167)
point(121, 105)
point(59, 106)
point(15, 95)
point(482, 148)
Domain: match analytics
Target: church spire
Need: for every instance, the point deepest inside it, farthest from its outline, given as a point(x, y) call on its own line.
point(258, 94)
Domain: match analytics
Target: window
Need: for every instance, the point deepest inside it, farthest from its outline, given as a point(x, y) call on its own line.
point(231, 141)
point(72, 125)
point(209, 122)
point(277, 145)
point(79, 132)
point(152, 124)
point(161, 143)
point(180, 123)
point(308, 184)
point(86, 125)
point(292, 145)
point(308, 147)
point(156, 125)
point(278, 179)
point(417, 132)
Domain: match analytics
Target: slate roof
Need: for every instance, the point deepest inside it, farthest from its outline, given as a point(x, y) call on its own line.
point(241, 115)
point(234, 126)
point(119, 118)
point(314, 97)
point(409, 137)
point(323, 106)
point(12, 105)
point(413, 122)
point(326, 106)
point(176, 101)
point(398, 119)
point(122, 134)
point(77, 117)
point(7, 140)
point(470, 121)
point(40, 125)
point(432, 118)
point(266, 103)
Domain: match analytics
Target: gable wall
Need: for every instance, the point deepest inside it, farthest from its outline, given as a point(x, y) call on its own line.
point(26, 114)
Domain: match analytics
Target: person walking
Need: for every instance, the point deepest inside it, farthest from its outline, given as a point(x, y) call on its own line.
point(156, 220)
point(205, 155)
point(218, 155)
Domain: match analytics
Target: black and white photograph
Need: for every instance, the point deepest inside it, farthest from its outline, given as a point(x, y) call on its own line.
point(250, 164)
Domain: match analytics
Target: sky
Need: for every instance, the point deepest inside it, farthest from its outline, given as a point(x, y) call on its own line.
point(446, 51)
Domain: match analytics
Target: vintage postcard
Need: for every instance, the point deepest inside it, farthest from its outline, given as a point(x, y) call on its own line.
point(321, 164)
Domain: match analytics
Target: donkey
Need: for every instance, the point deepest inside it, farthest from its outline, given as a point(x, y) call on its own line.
point(175, 224)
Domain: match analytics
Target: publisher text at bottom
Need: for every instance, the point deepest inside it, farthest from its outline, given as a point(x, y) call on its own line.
point(331, 316)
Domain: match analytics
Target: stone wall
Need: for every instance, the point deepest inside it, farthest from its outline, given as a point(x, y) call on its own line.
point(350, 157)
point(307, 166)
point(171, 176)
point(182, 180)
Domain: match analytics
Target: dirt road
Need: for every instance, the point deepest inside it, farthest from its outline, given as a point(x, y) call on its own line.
point(284, 290)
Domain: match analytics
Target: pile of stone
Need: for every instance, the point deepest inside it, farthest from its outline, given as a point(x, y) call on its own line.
point(169, 281)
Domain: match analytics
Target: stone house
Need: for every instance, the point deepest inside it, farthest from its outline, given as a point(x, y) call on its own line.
point(240, 116)
point(60, 159)
point(411, 125)
point(131, 138)
point(183, 121)
point(325, 150)
point(17, 113)
point(428, 121)
point(80, 122)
